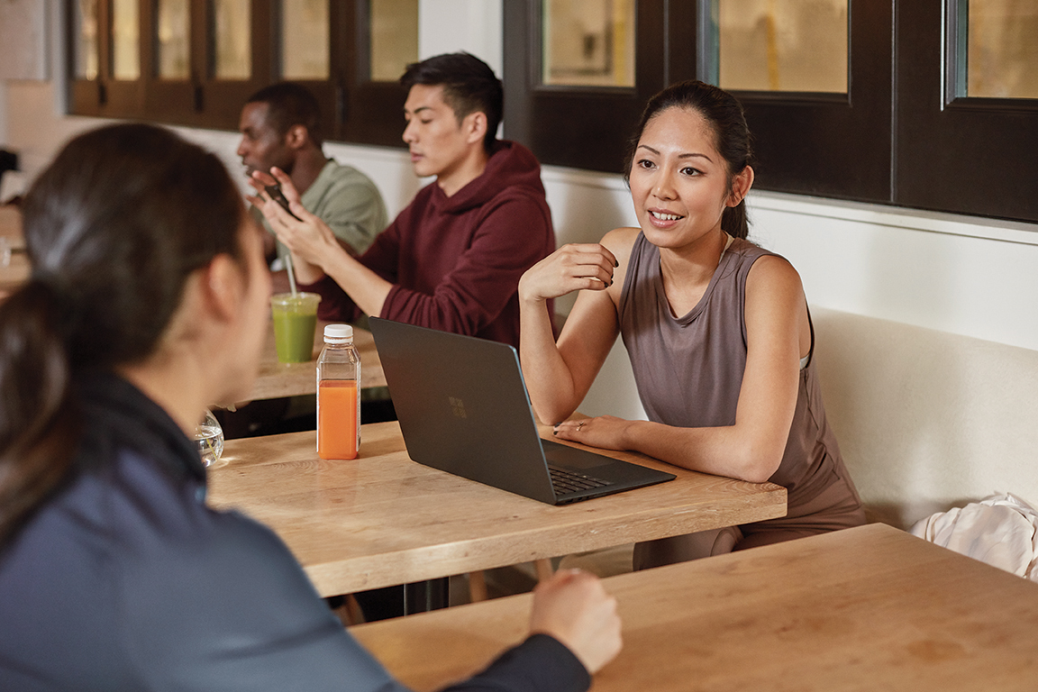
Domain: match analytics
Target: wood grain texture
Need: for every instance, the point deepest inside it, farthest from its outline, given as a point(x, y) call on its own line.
point(18, 270)
point(869, 608)
point(296, 379)
point(383, 519)
point(16, 273)
point(11, 226)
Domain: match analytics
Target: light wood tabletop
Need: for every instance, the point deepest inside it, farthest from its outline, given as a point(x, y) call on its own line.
point(870, 608)
point(277, 379)
point(14, 264)
point(11, 226)
point(383, 519)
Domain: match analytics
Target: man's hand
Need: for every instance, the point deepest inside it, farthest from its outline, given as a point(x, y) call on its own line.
point(574, 608)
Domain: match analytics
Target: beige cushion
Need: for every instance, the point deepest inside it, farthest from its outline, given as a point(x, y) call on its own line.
point(927, 420)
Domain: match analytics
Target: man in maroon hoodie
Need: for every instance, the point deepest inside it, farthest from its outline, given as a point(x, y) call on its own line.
point(452, 259)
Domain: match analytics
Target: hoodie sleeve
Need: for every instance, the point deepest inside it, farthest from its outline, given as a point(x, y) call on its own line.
point(381, 258)
point(513, 234)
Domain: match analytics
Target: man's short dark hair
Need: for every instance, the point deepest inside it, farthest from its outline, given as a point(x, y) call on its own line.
point(469, 86)
point(290, 104)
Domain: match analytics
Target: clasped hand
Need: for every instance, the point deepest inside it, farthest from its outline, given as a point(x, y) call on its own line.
point(574, 608)
point(604, 432)
point(572, 267)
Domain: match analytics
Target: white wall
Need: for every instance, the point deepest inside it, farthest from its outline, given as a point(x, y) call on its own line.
point(446, 26)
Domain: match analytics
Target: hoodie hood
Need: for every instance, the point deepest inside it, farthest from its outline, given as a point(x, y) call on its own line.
point(511, 165)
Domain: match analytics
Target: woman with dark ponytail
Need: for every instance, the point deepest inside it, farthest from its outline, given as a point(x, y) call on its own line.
point(149, 301)
point(717, 330)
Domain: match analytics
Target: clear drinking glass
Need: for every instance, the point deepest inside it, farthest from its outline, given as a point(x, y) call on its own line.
point(209, 438)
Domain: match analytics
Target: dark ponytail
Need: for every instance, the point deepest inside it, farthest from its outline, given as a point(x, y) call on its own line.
point(113, 228)
point(731, 135)
point(39, 421)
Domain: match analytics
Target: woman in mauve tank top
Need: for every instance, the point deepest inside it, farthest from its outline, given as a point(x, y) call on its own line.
point(717, 330)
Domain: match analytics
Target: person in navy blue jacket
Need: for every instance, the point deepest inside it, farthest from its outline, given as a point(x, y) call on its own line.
point(148, 301)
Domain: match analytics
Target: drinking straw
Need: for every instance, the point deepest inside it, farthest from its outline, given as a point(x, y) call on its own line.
point(291, 273)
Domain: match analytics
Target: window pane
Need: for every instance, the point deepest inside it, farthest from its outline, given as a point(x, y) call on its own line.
point(86, 39)
point(304, 39)
point(783, 45)
point(232, 39)
point(126, 63)
point(1002, 49)
point(589, 42)
point(173, 39)
point(394, 38)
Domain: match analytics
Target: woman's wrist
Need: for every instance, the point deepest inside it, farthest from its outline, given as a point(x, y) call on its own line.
point(629, 435)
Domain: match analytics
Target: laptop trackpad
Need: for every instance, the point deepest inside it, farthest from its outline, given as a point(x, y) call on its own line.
point(569, 457)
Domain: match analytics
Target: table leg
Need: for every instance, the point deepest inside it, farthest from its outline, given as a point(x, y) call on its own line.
point(424, 596)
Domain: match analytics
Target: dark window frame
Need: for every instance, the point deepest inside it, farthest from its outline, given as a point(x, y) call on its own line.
point(957, 153)
point(353, 107)
point(587, 127)
point(826, 144)
point(899, 136)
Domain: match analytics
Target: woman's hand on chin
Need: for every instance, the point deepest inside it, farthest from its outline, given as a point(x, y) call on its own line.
point(604, 432)
point(571, 268)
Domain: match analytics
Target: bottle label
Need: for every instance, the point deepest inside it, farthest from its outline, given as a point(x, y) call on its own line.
point(337, 419)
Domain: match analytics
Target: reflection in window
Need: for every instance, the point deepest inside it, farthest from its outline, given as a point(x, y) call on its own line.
point(783, 45)
point(1002, 53)
point(173, 39)
point(304, 39)
point(85, 36)
point(126, 62)
point(394, 38)
point(589, 42)
point(232, 39)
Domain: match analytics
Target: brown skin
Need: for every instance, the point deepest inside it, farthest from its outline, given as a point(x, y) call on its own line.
point(262, 147)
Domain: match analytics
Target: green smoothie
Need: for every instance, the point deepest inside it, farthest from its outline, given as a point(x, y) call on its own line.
point(295, 321)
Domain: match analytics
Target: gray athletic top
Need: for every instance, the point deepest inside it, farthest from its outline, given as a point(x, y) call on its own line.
point(689, 369)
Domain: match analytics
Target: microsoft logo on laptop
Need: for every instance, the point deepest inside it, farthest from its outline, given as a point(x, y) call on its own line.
point(457, 407)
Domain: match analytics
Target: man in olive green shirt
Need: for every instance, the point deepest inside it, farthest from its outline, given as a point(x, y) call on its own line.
point(280, 126)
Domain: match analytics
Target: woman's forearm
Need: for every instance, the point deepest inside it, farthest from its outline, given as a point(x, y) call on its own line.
point(731, 451)
point(547, 376)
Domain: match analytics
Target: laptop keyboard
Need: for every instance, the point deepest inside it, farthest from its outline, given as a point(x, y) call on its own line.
point(571, 482)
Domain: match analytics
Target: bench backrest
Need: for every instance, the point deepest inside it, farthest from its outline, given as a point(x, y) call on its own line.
point(927, 420)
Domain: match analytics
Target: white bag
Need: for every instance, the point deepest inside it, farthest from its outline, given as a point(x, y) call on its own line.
point(1001, 530)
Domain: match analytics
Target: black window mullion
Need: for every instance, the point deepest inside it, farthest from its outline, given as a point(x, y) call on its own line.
point(834, 145)
point(957, 154)
point(582, 127)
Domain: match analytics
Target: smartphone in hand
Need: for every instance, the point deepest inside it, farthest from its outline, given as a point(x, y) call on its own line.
point(278, 196)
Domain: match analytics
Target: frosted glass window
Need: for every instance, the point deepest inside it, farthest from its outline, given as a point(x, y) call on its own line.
point(589, 42)
point(126, 54)
point(304, 39)
point(394, 38)
point(1002, 49)
point(232, 39)
point(173, 34)
point(85, 18)
point(782, 45)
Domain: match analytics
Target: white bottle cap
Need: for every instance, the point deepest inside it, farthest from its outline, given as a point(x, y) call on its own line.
point(338, 332)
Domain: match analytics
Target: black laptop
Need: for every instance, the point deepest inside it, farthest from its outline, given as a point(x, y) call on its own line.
point(463, 408)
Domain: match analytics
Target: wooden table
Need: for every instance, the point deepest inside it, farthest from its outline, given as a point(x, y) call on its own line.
point(296, 379)
point(11, 226)
point(870, 608)
point(15, 273)
point(383, 519)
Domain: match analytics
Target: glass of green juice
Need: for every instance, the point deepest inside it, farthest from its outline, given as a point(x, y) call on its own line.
point(295, 321)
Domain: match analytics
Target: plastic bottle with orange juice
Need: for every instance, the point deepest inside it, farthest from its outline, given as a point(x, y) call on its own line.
point(338, 395)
